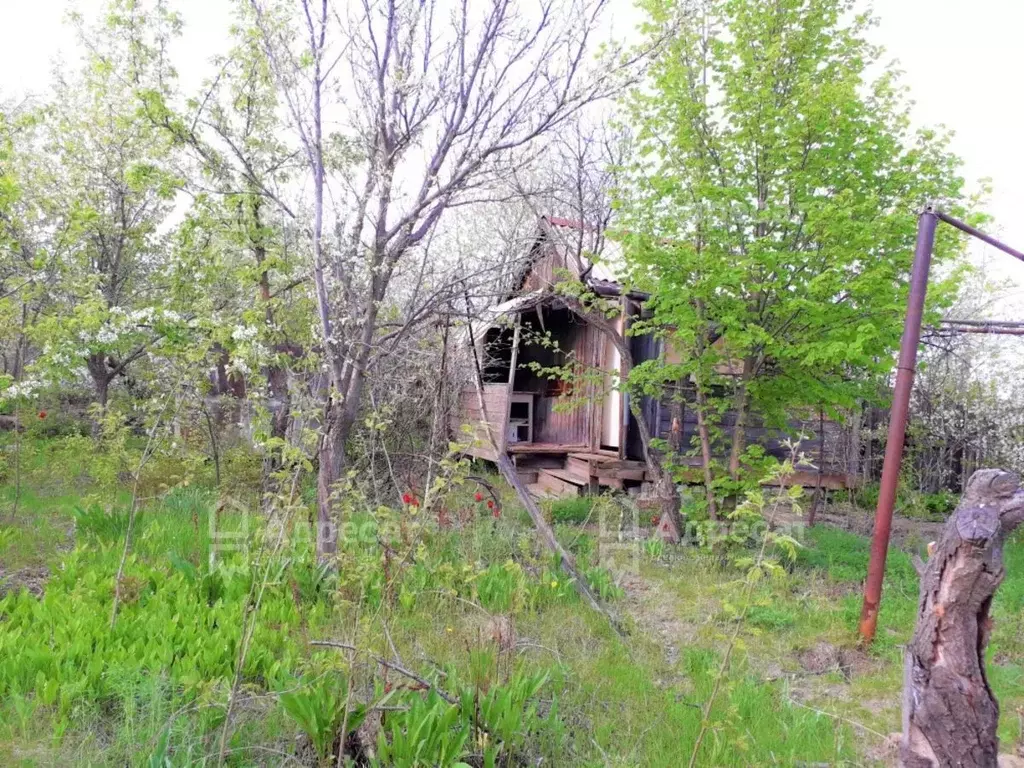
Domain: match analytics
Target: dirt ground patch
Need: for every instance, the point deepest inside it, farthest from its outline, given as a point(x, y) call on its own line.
point(907, 533)
point(649, 603)
point(31, 579)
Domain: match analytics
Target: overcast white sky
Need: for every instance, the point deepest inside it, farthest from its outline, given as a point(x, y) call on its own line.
point(961, 63)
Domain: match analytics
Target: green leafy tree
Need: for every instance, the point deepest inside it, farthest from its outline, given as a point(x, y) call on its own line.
point(772, 208)
point(97, 181)
point(237, 249)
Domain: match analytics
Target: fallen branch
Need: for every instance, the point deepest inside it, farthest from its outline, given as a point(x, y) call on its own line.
point(388, 664)
point(565, 560)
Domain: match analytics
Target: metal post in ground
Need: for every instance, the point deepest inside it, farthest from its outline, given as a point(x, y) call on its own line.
point(905, 368)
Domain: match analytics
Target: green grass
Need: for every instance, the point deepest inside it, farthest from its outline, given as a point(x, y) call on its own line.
point(573, 509)
point(73, 691)
point(819, 602)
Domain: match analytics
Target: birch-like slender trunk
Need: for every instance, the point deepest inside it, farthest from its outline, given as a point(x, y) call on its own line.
point(741, 408)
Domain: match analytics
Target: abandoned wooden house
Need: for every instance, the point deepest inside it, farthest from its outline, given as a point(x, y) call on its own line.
point(568, 435)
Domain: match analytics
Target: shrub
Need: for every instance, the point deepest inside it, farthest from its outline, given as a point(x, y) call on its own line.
point(866, 496)
point(100, 523)
point(575, 509)
point(941, 504)
point(318, 707)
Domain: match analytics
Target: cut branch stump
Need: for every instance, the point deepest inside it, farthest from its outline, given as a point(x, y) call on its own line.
point(950, 715)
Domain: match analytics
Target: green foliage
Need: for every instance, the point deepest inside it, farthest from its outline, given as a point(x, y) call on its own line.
point(573, 509)
point(318, 706)
point(844, 557)
point(926, 506)
point(769, 617)
point(507, 713)
point(771, 210)
point(107, 525)
point(910, 502)
point(866, 496)
point(502, 588)
point(602, 583)
point(654, 548)
point(158, 685)
point(430, 732)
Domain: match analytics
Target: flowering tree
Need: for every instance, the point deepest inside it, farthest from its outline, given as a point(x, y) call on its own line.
point(94, 195)
point(431, 106)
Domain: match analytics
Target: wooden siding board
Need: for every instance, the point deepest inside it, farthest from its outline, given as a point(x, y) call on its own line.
point(495, 401)
point(838, 440)
point(570, 418)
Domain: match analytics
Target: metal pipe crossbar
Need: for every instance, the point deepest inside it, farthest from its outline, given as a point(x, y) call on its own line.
point(926, 225)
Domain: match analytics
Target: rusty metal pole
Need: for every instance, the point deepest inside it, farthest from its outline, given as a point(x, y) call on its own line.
point(926, 225)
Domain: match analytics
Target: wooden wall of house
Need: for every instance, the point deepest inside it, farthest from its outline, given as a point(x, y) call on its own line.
point(547, 270)
point(495, 397)
point(832, 450)
point(570, 415)
point(555, 422)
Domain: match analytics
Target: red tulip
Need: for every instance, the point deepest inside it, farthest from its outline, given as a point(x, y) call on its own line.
point(42, 414)
point(407, 498)
point(490, 503)
point(479, 496)
point(496, 512)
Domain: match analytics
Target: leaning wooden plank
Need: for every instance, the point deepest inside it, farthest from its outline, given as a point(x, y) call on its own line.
point(508, 470)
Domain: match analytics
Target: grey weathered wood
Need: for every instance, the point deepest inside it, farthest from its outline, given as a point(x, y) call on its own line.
point(949, 712)
point(503, 425)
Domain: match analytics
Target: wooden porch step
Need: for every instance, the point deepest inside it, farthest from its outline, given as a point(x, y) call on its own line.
point(560, 482)
point(538, 491)
point(607, 461)
point(545, 447)
point(570, 476)
point(526, 475)
point(602, 457)
point(586, 465)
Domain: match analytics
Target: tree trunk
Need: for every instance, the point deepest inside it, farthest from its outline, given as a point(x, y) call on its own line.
point(705, 452)
point(341, 415)
point(819, 493)
point(853, 457)
point(670, 524)
point(331, 455)
point(276, 374)
point(677, 412)
point(949, 712)
point(97, 366)
point(739, 430)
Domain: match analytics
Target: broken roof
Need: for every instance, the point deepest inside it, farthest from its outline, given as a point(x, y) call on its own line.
point(601, 260)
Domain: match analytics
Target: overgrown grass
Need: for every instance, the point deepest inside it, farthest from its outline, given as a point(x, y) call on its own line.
point(800, 632)
point(477, 608)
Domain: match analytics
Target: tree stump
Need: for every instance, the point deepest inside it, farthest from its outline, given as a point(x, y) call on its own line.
point(949, 712)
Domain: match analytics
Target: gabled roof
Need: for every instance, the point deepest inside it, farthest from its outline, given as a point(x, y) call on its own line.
point(489, 317)
point(602, 262)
